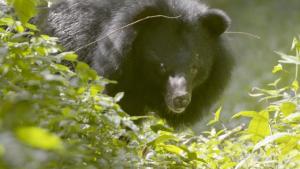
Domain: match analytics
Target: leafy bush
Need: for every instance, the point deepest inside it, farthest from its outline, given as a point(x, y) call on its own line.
point(54, 117)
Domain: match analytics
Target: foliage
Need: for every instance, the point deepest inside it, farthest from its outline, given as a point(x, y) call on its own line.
point(55, 117)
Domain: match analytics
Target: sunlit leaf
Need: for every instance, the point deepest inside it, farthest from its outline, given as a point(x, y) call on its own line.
point(39, 138)
point(139, 117)
point(275, 83)
point(6, 21)
point(295, 85)
point(25, 9)
point(70, 56)
point(289, 145)
point(289, 59)
point(241, 163)
point(277, 68)
point(162, 139)
point(62, 68)
point(95, 89)
point(287, 108)
point(295, 117)
point(19, 27)
point(118, 96)
point(295, 44)
point(66, 111)
point(172, 148)
point(245, 114)
point(31, 27)
point(161, 127)
point(216, 118)
point(259, 126)
point(85, 72)
point(269, 139)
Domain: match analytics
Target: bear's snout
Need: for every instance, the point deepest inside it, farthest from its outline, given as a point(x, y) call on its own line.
point(178, 96)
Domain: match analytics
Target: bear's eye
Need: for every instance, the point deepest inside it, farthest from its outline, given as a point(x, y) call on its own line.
point(194, 70)
point(162, 68)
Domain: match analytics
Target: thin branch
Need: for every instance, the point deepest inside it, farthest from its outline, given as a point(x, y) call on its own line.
point(126, 26)
point(244, 33)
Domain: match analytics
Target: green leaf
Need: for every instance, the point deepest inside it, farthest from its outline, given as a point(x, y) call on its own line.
point(295, 85)
point(70, 56)
point(295, 44)
point(216, 118)
point(39, 138)
point(288, 59)
point(66, 111)
point(62, 68)
point(162, 139)
point(118, 96)
point(95, 89)
point(31, 27)
point(269, 139)
point(259, 126)
point(291, 143)
point(245, 114)
point(275, 83)
point(85, 72)
point(172, 149)
point(292, 118)
point(25, 9)
point(19, 27)
point(160, 127)
point(6, 21)
point(287, 108)
point(133, 118)
point(277, 68)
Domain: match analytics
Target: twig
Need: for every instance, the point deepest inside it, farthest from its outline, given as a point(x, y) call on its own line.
point(244, 33)
point(126, 26)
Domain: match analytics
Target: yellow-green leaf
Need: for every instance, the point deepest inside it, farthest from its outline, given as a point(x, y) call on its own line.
point(216, 118)
point(289, 145)
point(6, 21)
point(39, 138)
point(25, 9)
point(31, 27)
point(277, 68)
point(294, 118)
point(62, 68)
point(245, 114)
point(95, 89)
point(70, 56)
point(162, 139)
point(269, 139)
point(295, 85)
point(287, 108)
point(66, 111)
point(119, 96)
point(259, 126)
point(295, 44)
point(172, 149)
point(19, 27)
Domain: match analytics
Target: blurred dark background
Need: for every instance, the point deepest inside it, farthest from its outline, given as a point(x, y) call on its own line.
point(276, 22)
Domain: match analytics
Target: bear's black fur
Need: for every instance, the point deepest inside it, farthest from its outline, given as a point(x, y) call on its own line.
point(175, 64)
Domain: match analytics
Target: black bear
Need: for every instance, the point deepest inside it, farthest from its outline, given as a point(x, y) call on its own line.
point(168, 56)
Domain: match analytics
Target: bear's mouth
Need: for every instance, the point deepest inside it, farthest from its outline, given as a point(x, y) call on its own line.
point(176, 110)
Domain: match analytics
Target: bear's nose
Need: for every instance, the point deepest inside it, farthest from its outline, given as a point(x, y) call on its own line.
point(182, 101)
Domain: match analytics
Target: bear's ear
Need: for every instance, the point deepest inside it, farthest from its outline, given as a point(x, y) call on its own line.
point(216, 21)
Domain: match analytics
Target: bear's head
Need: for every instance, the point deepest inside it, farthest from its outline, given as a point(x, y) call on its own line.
point(178, 55)
point(175, 55)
